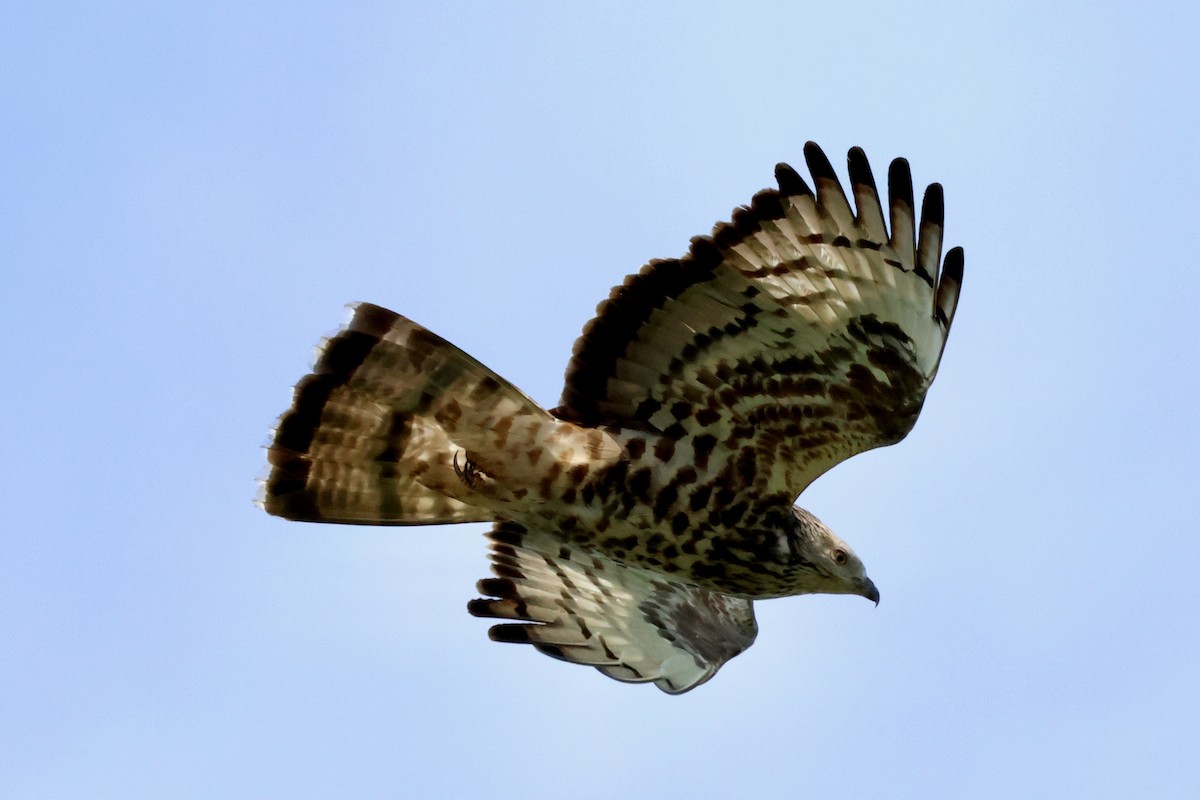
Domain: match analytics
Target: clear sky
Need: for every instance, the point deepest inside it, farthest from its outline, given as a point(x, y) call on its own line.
point(192, 191)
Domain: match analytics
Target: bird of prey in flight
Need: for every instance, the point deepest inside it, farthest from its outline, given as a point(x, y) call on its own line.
point(635, 524)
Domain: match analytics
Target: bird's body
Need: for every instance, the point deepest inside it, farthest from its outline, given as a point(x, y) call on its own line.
point(636, 522)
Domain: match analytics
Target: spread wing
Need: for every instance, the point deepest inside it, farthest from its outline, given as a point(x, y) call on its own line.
point(631, 624)
point(803, 327)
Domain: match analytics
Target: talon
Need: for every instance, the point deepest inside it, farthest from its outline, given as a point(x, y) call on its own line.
point(467, 471)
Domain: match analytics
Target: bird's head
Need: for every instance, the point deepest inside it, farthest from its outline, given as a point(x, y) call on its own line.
point(829, 566)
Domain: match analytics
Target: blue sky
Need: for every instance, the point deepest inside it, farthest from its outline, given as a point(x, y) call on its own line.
point(192, 192)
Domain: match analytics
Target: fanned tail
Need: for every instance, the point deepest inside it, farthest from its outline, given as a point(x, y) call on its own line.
point(380, 432)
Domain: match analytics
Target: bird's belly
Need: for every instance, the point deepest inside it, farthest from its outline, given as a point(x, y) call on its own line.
point(675, 522)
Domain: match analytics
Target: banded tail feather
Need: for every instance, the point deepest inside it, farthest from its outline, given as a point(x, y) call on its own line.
point(381, 430)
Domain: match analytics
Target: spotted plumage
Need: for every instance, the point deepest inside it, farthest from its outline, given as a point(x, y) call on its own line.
point(635, 523)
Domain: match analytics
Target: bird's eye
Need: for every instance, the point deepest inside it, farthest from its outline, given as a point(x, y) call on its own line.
point(840, 557)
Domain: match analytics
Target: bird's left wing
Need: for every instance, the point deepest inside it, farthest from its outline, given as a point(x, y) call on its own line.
point(803, 330)
point(631, 624)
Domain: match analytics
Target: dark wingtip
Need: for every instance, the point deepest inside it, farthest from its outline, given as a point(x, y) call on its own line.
point(949, 287)
point(929, 242)
point(860, 167)
point(767, 204)
point(704, 252)
point(952, 269)
point(725, 235)
point(900, 182)
point(933, 206)
point(505, 532)
point(745, 222)
point(790, 182)
point(496, 587)
point(480, 607)
point(513, 634)
point(818, 163)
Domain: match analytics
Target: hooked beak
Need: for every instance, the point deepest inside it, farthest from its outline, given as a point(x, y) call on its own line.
point(867, 589)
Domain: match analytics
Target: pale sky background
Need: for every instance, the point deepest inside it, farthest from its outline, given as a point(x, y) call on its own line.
point(192, 191)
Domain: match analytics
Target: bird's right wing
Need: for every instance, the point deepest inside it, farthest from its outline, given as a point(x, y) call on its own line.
point(631, 624)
